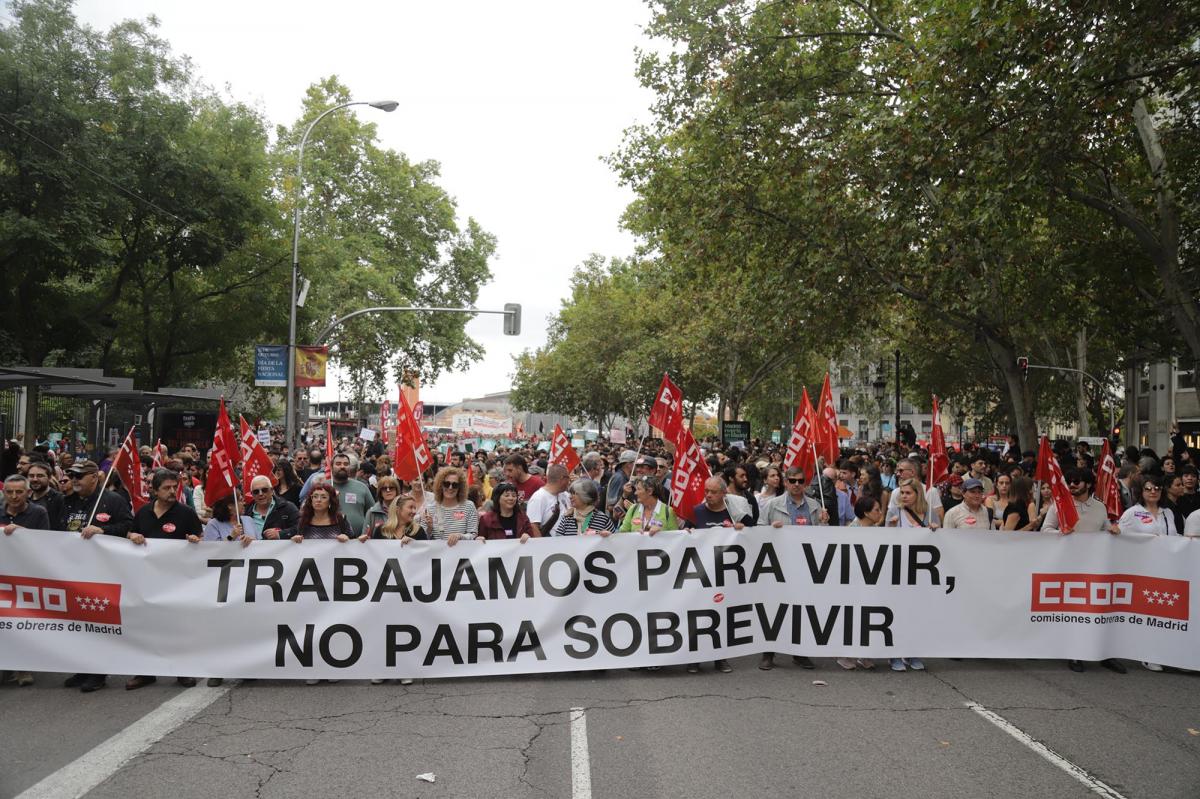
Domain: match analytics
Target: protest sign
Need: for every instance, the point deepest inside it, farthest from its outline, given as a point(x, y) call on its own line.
point(323, 609)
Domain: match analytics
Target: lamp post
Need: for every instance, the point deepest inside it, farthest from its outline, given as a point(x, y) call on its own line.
point(290, 400)
point(880, 386)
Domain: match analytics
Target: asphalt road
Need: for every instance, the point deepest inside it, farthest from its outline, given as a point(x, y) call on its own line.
point(635, 734)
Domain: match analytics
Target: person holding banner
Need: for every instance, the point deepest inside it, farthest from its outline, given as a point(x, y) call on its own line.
point(1147, 515)
point(548, 506)
point(505, 520)
point(1020, 513)
point(388, 489)
point(1093, 516)
point(913, 510)
point(584, 517)
point(402, 524)
point(224, 526)
point(321, 517)
point(91, 509)
point(794, 506)
point(451, 518)
point(650, 515)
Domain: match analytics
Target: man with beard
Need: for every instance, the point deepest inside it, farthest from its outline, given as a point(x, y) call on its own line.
point(1093, 518)
point(44, 494)
point(113, 517)
point(353, 495)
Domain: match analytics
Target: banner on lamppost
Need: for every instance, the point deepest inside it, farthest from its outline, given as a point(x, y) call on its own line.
point(310, 366)
point(270, 365)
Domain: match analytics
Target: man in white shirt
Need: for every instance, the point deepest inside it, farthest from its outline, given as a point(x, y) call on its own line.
point(549, 504)
point(1093, 517)
point(970, 514)
point(933, 498)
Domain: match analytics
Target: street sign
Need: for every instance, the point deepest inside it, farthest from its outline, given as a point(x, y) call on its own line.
point(270, 365)
point(735, 431)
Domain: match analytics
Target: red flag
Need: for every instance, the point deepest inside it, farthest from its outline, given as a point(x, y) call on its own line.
point(667, 413)
point(255, 460)
point(800, 445)
point(561, 450)
point(160, 456)
point(687, 476)
point(1106, 483)
point(128, 466)
point(827, 426)
point(384, 412)
point(470, 473)
point(939, 462)
point(221, 458)
point(328, 449)
point(1048, 471)
point(412, 453)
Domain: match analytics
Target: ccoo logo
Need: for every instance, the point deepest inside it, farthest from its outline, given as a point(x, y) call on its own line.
point(1111, 593)
point(37, 598)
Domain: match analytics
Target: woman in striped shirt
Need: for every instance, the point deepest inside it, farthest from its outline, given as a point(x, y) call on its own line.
point(451, 517)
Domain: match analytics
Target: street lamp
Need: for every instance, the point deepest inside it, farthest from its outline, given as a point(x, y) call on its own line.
point(880, 386)
point(290, 400)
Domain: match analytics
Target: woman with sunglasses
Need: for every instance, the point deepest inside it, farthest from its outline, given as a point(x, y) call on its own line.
point(388, 489)
point(451, 517)
point(1149, 517)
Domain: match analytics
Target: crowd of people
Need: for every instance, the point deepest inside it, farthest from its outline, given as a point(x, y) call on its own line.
point(514, 493)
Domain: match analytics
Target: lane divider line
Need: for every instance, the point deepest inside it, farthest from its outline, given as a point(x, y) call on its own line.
point(581, 769)
point(1093, 784)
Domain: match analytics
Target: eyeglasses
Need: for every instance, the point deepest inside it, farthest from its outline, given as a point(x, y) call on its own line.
point(257, 491)
point(1151, 488)
point(387, 488)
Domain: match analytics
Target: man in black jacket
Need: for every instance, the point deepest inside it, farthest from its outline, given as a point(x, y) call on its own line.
point(113, 517)
point(41, 492)
point(277, 518)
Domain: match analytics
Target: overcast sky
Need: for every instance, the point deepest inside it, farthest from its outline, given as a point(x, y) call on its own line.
point(518, 101)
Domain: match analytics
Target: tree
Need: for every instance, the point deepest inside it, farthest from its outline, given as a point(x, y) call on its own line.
point(378, 230)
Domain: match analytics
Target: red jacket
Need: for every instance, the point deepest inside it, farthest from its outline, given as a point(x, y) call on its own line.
point(489, 526)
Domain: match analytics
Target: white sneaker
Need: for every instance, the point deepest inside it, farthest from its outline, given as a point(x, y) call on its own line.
point(916, 664)
point(1152, 666)
point(406, 681)
point(376, 682)
point(311, 682)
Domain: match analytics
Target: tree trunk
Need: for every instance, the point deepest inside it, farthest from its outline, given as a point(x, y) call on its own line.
point(1081, 396)
point(1018, 399)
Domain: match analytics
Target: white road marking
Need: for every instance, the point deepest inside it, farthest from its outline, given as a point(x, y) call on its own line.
point(92, 768)
point(581, 769)
point(1091, 783)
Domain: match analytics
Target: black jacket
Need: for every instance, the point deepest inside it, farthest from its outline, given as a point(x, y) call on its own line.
point(284, 515)
point(52, 501)
point(113, 516)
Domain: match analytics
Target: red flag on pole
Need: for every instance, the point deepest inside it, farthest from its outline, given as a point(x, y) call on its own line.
point(221, 459)
point(688, 474)
point(255, 460)
point(159, 459)
point(412, 453)
point(1048, 471)
point(800, 445)
point(128, 466)
point(667, 413)
point(384, 412)
point(1106, 483)
point(561, 450)
point(939, 462)
point(827, 426)
point(328, 449)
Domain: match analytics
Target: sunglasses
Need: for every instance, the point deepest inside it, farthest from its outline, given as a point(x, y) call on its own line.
point(449, 486)
point(387, 488)
point(795, 480)
point(1151, 488)
point(257, 491)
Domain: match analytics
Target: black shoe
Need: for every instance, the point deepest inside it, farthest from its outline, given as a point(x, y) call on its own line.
point(1075, 665)
point(213, 682)
point(722, 666)
point(75, 680)
point(186, 682)
point(91, 684)
point(1114, 665)
point(803, 662)
point(139, 682)
point(693, 668)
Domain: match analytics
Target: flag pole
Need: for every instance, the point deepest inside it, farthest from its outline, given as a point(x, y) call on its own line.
point(817, 475)
point(108, 475)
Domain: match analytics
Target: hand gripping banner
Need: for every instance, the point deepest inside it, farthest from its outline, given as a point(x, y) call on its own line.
point(323, 609)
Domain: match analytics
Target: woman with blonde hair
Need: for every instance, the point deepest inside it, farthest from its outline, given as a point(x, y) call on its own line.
point(451, 516)
point(914, 510)
point(388, 488)
point(402, 524)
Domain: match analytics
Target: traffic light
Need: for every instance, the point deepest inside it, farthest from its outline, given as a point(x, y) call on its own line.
point(512, 318)
point(1023, 365)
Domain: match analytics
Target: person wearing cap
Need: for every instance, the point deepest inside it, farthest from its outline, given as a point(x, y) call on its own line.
point(971, 513)
point(620, 476)
point(113, 516)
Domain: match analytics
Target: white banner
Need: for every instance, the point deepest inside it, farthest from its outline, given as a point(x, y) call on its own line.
point(376, 609)
point(487, 425)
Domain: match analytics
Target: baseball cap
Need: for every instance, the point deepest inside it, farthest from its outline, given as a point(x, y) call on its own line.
point(84, 467)
point(970, 483)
